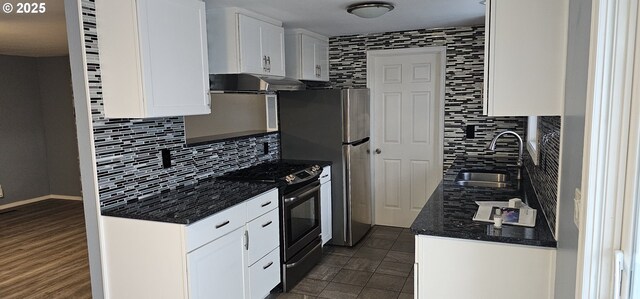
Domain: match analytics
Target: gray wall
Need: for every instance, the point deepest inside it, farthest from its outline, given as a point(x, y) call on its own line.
point(573, 143)
point(39, 150)
point(56, 98)
point(23, 167)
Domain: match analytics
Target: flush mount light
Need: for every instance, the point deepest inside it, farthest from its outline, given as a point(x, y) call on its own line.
point(370, 9)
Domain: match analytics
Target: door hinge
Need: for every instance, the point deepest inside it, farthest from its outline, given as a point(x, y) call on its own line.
point(619, 268)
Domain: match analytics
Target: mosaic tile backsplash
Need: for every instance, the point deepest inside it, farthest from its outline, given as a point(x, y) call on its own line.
point(463, 83)
point(463, 98)
point(544, 176)
point(128, 150)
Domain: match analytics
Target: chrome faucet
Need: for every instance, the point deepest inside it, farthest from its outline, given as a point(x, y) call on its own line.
point(492, 145)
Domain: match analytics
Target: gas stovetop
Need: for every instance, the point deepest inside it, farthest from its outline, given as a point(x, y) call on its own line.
point(273, 172)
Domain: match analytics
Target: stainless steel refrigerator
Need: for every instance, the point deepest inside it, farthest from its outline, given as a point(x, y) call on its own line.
point(333, 125)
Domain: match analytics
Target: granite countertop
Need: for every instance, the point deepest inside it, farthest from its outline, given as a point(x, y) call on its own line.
point(450, 209)
point(188, 204)
point(319, 162)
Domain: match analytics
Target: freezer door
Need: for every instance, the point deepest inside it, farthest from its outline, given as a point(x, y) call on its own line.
point(357, 181)
point(355, 114)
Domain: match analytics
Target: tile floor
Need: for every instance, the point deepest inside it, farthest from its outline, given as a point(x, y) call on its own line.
point(380, 266)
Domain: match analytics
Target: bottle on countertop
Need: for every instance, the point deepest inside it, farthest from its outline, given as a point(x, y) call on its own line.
point(497, 218)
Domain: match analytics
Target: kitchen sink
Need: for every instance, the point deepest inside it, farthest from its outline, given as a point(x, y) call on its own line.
point(483, 178)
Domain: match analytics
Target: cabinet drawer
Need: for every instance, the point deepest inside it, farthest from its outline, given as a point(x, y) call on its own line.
point(264, 235)
point(325, 176)
point(262, 204)
point(215, 226)
point(264, 275)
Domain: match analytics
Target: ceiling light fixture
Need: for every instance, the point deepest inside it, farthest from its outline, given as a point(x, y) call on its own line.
point(370, 9)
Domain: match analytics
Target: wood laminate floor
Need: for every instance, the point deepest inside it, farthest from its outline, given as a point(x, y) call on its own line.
point(43, 251)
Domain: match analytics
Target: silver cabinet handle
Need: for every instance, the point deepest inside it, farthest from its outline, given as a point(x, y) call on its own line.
point(266, 204)
point(267, 224)
point(267, 265)
point(246, 236)
point(222, 224)
point(378, 151)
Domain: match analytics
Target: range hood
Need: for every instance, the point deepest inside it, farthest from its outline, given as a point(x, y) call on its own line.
point(248, 83)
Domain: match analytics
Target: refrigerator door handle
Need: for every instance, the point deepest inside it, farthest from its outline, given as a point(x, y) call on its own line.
point(346, 202)
point(359, 142)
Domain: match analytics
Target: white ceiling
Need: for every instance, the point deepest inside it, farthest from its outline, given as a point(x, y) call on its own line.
point(44, 34)
point(330, 17)
point(35, 35)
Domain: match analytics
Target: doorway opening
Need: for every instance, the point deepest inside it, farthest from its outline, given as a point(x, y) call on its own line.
point(407, 95)
point(42, 228)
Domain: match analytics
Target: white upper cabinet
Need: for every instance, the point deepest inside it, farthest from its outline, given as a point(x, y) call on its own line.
point(244, 42)
point(307, 55)
point(153, 58)
point(525, 55)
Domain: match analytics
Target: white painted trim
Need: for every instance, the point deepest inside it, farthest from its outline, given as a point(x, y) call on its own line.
point(607, 126)
point(371, 55)
point(24, 202)
point(86, 147)
point(66, 197)
point(37, 199)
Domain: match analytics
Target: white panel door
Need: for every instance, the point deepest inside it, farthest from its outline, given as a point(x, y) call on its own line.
point(407, 100)
point(217, 270)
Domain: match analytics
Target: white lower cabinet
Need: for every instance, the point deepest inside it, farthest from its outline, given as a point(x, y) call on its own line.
point(460, 268)
point(216, 270)
point(326, 218)
point(264, 275)
point(234, 253)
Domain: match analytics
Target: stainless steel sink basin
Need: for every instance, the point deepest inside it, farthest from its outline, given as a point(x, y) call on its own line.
point(482, 178)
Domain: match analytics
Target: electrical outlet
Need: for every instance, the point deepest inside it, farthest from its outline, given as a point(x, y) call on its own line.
point(577, 207)
point(1, 192)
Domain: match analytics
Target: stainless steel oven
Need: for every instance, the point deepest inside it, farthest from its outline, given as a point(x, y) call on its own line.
point(300, 242)
point(302, 247)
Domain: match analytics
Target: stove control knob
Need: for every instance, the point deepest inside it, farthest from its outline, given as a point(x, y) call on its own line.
point(315, 168)
point(289, 178)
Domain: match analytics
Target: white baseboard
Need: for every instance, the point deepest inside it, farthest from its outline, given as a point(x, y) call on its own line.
point(37, 199)
point(67, 197)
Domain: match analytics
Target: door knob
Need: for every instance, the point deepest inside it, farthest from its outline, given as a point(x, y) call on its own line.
point(378, 151)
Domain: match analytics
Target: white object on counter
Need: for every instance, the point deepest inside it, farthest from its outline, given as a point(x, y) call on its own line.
point(515, 203)
point(523, 216)
point(497, 219)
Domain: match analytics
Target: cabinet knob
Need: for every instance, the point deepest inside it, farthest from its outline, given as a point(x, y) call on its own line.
point(378, 151)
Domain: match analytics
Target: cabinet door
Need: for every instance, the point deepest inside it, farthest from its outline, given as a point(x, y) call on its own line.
point(264, 235)
point(251, 45)
point(308, 57)
point(173, 50)
point(264, 275)
point(322, 60)
point(525, 65)
point(273, 48)
point(325, 203)
point(216, 270)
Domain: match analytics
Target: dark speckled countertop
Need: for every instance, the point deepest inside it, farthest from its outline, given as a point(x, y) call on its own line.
point(189, 204)
point(450, 209)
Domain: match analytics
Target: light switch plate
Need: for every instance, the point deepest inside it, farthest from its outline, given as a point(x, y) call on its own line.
point(577, 207)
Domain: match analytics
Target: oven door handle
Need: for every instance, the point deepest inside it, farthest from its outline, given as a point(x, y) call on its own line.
point(292, 265)
point(295, 198)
